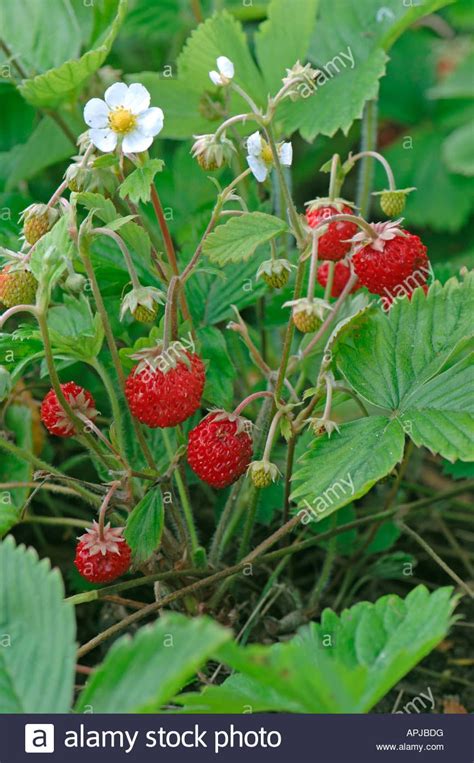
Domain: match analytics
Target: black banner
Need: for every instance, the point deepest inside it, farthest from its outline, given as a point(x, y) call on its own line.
point(403, 738)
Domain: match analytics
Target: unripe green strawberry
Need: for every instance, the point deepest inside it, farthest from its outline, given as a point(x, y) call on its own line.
point(275, 273)
point(308, 314)
point(35, 227)
point(207, 164)
point(144, 315)
point(276, 281)
point(262, 473)
point(306, 322)
point(392, 201)
point(37, 219)
point(17, 287)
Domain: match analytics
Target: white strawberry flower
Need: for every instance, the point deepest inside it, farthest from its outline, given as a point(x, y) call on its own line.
point(225, 73)
point(260, 157)
point(386, 231)
point(124, 115)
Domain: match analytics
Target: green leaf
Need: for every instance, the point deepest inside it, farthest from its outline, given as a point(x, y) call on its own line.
point(345, 664)
point(284, 38)
point(443, 200)
point(6, 383)
point(26, 29)
point(349, 48)
point(220, 35)
point(74, 330)
point(95, 202)
point(18, 426)
point(19, 349)
point(440, 415)
point(339, 469)
point(405, 362)
point(220, 372)
point(458, 150)
point(142, 674)
point(57, 85)
point(31, 157)
point(181, 104)
point(37, 667)
point(48, 260)
point(137, 185)
point(237, 239)
point(211, 298)
point(459, 84)
point(145, 525)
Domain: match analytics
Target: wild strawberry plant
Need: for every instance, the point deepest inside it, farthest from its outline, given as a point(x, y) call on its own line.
point(219, 389)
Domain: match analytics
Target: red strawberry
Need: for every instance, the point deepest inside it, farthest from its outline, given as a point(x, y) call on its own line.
point(335, 243)
point(342, 273)
point(393, 264)
point(220, 448)
point(165, 398)
point(55, 419)
point(102, 559)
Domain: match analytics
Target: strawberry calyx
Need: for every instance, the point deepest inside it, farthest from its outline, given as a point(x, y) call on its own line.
point(159, 358)
point(106, 543)
point(383, 232)
point(320, 202)
point(242, 424)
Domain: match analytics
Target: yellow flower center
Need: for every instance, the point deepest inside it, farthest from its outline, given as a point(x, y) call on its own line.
point(266, 154)
point(122, 120)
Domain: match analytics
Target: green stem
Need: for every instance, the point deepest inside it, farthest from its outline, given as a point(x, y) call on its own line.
point(252, 507)
point(114, 402)
point(368, 143)
point(216, 549)
point(289, 333)
point(183, 495)
point(313, 268)
point(25, 455)
point(326, 570)
point(124, 249)
point(80, 427)
point(85, 256)
point(330, 281)
point(334, 182)
point(59, 521)
point(440, 562)
point(293, 214)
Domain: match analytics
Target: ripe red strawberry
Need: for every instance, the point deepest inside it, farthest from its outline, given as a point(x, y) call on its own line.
point(394, 263)
point(220, 448)
point(17, 287)
point(55, 419)
point(342, 273)
point(335, 243)
point(165, 398)
point(102, 559)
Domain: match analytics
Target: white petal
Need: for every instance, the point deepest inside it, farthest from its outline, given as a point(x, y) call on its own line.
point(286, 154)
point(116, 95)
point(135, 142)
point(150, 122)
point(254, 144)
point(103, 138)
point(225, 66)
point(138, 98)
point(259, 168)
point(215, 77)
point(96, 113)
